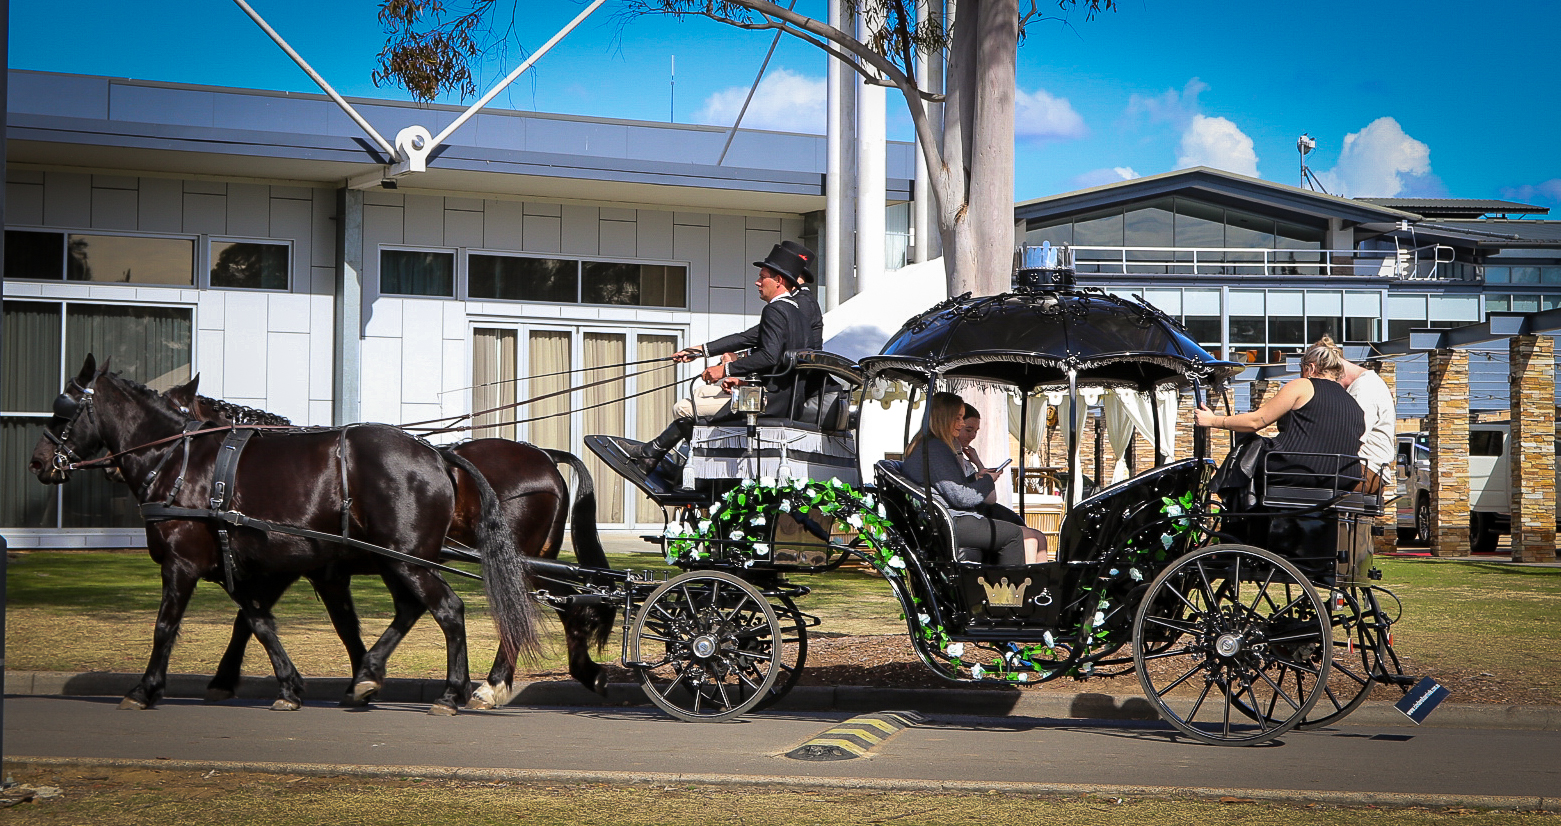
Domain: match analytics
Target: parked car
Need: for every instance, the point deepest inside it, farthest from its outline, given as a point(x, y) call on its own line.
point(1490, 486)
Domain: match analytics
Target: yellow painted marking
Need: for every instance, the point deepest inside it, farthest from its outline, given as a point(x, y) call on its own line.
point(865, 735)
point(854, 748)
point(873, 721)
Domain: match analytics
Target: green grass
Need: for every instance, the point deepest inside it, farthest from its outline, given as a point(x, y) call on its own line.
point(119, 795)
point(1487, 630)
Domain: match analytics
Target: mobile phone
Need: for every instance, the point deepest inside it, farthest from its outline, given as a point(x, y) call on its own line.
point(1006, 463)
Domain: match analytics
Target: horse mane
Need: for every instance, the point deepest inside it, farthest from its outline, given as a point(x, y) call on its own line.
point(239, 414)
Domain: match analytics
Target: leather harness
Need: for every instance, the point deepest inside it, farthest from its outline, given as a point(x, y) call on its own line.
point(219, 509)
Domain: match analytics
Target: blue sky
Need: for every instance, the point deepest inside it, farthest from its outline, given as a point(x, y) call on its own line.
point(1430, 98)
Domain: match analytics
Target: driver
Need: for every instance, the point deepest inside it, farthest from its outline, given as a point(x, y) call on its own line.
point(782, 327)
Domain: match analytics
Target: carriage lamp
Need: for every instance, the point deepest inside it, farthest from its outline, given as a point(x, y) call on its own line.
point(748, 398)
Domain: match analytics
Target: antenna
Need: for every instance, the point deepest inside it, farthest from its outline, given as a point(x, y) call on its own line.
point(672, 108)
point(1304, 145)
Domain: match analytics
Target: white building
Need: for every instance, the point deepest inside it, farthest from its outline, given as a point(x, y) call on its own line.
point(179, 229)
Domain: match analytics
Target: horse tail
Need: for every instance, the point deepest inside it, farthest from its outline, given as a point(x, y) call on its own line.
point(597, 620)
point(506, 577)
point(582, 516)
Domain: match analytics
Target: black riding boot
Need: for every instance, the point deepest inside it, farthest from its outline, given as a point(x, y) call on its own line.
point(649, 454)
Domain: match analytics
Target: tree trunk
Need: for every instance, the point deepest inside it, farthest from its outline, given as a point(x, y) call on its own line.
point(992, 151)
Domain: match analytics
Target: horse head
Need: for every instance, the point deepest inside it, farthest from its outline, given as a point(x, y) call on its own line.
point(73, 432)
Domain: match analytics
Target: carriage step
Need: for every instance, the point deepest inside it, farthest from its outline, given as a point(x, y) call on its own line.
point(855, 737)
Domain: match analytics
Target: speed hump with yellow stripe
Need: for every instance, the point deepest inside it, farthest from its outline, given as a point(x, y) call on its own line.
point(855, 737)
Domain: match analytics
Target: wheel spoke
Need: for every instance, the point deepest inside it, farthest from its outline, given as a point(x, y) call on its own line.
point(1179, 680)
point(1191, 715)
point(1177, 653)
point(1279, 691)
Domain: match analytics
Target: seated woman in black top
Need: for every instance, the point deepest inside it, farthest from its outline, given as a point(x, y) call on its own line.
point(964, 495)
point(1316, 415)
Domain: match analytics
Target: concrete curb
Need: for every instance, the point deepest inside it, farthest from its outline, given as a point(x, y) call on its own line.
point(850, 699)
point(1394, 799)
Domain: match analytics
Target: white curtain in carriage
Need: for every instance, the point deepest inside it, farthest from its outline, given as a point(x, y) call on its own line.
point(1127, 411)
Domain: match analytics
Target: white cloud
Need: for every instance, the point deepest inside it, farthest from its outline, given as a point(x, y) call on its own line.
point(1217, 143)
point(1038, 116)
point(1379, 161)
point(1548, 192)
point(1170, 106)
point(785, 102)
point(1100, 177)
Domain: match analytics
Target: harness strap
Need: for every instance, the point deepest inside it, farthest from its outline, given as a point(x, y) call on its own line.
point(222, 474)
point(346, 500)
point(184, 463)
point(158, 513)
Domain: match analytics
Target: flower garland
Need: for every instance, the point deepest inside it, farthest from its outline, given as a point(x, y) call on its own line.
point(736, 529)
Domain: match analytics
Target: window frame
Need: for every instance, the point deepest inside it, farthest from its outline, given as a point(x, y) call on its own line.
point(205, 268)
point(580, 261)
point(196, 256)
point(457, 271)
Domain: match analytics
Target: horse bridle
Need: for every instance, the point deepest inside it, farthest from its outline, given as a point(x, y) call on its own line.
point(70, 411)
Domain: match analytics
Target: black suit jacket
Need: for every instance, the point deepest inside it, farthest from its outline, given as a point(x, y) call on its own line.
point(781, 327)
point(807, 302)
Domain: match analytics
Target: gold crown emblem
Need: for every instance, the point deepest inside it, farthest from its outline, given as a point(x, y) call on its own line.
point(1003, 595)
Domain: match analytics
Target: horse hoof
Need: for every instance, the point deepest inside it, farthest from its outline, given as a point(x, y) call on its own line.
point(350, 700)
point(599, 685)
point(364, 691)
point(286, 705)
point(131, 704)
point(477, 703)
point(482, 698)
point(441, 710)
point(217, 695)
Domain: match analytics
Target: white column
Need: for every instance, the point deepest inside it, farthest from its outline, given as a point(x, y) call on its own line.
point(871, 186)
point(839, 179)
point(929, 73)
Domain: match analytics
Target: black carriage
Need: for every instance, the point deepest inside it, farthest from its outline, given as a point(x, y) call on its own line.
point(1241, 621)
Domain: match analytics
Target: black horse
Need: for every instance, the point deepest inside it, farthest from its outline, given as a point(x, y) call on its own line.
point(533, 495)
point(402, 497)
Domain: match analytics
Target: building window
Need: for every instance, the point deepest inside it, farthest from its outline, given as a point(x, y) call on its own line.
point(1498, 275)
point(249, 265)
point(34, 255)
point(130, 259)
point(151, 345)
point(1525, 275)
point(417, 272)
point(569, 281)
point(522, 278)
point(645, 285)
point(123, 259)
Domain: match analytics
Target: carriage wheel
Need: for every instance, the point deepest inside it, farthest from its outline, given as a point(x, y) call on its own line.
point(794, 651)
point(1361, 658)
point(1227, 628)
point(706, 646)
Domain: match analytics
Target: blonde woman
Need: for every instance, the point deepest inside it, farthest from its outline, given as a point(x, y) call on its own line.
point(1001, 543)
point(1315, 415)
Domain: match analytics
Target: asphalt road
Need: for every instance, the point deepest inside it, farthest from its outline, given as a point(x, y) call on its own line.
point(1426, 761)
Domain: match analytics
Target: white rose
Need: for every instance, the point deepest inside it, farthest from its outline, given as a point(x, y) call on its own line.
point(868, 500)
point(735, 535)
point(854, 520)
point(1173, 510)
point(704, 526)
point(1050, 640)
point(1137, 575)
point(785, 506)
point(757, 520)
point(1100, 619)
point(955, 649)
point(767, 481)
point(923, 619)
point(761, 548)
point(1022, 677)
point(896, 562)
point(976, 671)
point(1166, 540)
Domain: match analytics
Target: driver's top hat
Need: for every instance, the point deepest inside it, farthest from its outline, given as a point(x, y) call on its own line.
point(790, 259)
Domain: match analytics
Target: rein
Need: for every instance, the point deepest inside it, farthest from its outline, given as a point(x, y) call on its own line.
point(102, 460)
point(566, 391)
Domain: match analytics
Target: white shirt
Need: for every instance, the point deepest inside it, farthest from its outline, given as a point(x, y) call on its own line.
point(1376, 401)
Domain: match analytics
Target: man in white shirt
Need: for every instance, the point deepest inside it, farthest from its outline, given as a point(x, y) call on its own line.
point(1378, 446)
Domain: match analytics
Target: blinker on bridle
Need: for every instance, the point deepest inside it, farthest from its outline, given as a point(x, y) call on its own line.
point(69, 410)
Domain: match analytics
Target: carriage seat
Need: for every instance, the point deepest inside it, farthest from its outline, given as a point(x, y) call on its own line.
point(1288, 491)
point(909, 497)
point(1122, 512)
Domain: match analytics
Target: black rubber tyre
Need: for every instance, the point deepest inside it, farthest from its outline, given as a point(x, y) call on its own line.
point(706, 647)
point(1248, 627)
point(1423, 521)
point(794, 651)
point(1483, 535)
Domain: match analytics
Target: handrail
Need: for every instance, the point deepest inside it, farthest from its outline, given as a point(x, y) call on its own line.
point(1410, 263)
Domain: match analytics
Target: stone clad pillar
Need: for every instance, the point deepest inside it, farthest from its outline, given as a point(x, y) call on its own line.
point(1447, 424)
point(1531, 451)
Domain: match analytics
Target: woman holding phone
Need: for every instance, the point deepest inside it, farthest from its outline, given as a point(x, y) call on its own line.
point(969, 429)
point(1003, 542)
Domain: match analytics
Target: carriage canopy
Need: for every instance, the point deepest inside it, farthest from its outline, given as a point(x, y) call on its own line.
point(1034, 338)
